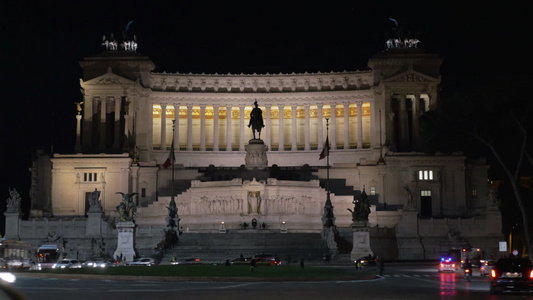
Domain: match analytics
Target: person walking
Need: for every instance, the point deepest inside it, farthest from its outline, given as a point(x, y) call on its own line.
point(380, 265)
point(252, 265)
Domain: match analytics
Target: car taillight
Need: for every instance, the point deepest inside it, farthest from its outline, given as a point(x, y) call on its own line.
point(467, 270)
point(493, 273)
point(453, 265)
point(442, 265)
point(531, 274)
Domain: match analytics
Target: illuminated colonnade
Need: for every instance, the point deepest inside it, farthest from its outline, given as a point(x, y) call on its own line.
point(299, 127)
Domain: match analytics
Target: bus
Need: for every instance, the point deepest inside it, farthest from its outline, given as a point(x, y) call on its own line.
point(48, 255)
point(15, 254)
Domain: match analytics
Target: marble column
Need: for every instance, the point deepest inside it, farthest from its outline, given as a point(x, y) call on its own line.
point(267, 126)
point(294, 127)
point(416, 114)
point(116, 138)
point(320, 116)
point(77, 148)
point(163, 126)
point(189, 127)
point(215, 127)
point(403, 121)
point(281, 138)
point(346, 125)
point(333, 127)
point(241, 127)
point(359, 124)
point(202, 127)
point(177, 127)
point(103, 113)
point(228, 127)
point(307, 127)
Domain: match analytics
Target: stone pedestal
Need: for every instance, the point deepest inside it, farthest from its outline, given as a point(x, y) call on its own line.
point(126, 241)
point(94, 223)
point(256, 156)
point(409, 243)
point(12, 225)
point(361, 241)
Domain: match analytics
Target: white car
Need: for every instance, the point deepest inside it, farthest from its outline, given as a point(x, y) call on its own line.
point(143, 261)
point(100, 263)
point(67, 264)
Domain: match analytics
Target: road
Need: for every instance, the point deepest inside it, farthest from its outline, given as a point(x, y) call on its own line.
point(399, 281)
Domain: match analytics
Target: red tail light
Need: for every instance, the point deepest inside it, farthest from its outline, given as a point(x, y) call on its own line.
point(453, 265)
point(493, 273)
point(531, 274)
point(442, 265)
point(467, 270)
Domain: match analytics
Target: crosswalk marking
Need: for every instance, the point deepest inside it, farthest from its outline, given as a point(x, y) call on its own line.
point(412, 275)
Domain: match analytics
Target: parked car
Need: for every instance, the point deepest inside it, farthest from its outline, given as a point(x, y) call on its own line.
point(67, 263)
point(511, 274)
point(266, 259)
point(241, 261)
point(187, 261)
point(447, 265)
point(143, 261)
point(100, 263)
point(486, 267)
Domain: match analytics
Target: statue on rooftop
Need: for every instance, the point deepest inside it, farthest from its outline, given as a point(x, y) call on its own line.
point(13, 202)
point(256, 120)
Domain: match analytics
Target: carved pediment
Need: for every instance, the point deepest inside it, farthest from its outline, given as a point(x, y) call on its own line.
point(108, 78)
point(411, 76)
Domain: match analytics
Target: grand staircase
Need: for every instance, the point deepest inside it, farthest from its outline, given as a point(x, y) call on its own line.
point(218, 247)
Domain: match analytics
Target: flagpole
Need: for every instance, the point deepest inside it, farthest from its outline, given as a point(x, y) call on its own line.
point(327, 160)
point(172, 189)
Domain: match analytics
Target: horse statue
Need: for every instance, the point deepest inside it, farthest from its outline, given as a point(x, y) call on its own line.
point(256, 120)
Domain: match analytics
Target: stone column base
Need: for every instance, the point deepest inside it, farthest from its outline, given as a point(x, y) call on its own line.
point(126, 238)
point(361, 242)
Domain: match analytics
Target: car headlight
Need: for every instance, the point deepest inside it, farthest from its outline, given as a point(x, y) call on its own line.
point(8, 277)
point(54, 266)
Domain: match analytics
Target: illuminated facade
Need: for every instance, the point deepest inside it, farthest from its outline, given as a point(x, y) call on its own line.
point(125, 131)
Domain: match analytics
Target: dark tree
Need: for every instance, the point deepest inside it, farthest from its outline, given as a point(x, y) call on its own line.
point(492, 121)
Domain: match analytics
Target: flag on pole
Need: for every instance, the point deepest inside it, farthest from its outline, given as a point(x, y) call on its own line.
point(171, 158)
point(325, 151)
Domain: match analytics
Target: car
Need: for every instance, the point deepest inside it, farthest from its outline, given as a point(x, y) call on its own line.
point(511, 274)
point(368, 260)
point(67, 263)
point(143, 261)
point(266, 259)
point(447, 265)
point(486, 266)
point(241, 261)
point(187, 261)
point(100, 263)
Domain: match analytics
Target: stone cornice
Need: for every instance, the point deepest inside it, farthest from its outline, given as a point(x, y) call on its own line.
point(262, 99)
point(265, 83)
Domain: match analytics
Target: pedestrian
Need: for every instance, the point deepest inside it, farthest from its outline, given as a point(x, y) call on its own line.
point(302, 263)
point(358, 264)
point(380, 265)
point(252, 265)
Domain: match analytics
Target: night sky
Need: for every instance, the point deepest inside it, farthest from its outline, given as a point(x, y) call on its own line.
point(43, 43)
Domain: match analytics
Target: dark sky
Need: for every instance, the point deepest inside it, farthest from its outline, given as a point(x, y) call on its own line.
point(42, 44)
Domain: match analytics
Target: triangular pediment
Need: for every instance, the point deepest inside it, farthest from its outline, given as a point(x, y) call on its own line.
point(108, 78)
point(411, 76)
